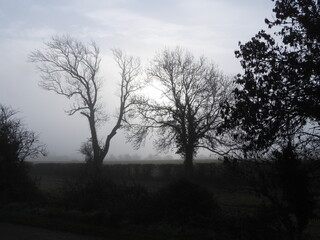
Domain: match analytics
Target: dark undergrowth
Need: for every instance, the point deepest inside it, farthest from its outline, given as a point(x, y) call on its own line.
point(178, 209)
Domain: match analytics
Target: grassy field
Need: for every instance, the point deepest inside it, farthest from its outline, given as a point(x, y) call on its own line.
point(232, 193)
point(229, 190)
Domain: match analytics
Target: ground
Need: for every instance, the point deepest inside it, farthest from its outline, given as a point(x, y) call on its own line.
point(10, 231)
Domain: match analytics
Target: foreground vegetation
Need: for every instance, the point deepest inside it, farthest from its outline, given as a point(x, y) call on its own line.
point(148, 201)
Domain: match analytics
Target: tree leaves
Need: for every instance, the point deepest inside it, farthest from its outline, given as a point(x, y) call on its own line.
point(279, 89)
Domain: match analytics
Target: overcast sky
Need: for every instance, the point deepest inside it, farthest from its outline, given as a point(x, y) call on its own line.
point(140, 27)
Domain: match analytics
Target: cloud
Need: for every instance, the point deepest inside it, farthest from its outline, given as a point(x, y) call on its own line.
point(129, 24)
point(19, 32)
point(145, 31)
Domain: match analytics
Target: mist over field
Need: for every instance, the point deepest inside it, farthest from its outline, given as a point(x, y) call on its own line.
point(141, 28)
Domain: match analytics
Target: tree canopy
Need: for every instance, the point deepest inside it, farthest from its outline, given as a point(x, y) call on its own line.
point(279, 92)
point(276, 111)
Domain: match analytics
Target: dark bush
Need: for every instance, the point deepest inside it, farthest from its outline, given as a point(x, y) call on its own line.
point(111, 203)
point(15, 184)
point(16, 144)
point(180, 203)
point(185, 203)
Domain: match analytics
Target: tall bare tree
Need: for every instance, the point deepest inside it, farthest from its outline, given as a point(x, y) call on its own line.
point(70, 68)
point(187, 115)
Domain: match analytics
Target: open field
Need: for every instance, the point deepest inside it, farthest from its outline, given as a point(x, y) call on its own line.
point(230, 190)
point(149, 174)
point(231, 193)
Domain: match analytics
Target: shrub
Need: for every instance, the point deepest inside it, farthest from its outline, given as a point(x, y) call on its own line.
point(16, 144)
point(111, 203)
point(185, 203)
point(16, 185)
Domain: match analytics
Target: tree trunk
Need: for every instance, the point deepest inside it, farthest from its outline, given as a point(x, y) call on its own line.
point(97, 153)
point(188, 163)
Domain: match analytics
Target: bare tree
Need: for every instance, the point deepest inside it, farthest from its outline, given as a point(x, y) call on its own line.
point(187, 115)
point(70, 68)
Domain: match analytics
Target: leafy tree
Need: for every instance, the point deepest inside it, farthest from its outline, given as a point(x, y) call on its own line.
point(279, 92)
point(277, 104)
point(16, 144)
point(70, 68)
point(187, 114)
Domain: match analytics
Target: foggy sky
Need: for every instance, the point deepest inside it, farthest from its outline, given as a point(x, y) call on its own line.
point(140, 27)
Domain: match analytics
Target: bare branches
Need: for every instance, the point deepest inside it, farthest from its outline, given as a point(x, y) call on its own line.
point(192, 92)
point(70, 68)
point(130, 69)
point(14, 137)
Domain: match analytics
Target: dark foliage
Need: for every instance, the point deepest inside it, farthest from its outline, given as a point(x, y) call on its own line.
point(110, 203)
point(280, 88)
point(186, 203)
point(277, 100)
point(285, 183)
point(295, 185)
point(180, 210)
point(179, 204)
point(16, 143)
point(263, 225)
point(15, 184)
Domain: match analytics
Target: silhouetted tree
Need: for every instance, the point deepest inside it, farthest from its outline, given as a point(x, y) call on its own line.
point(279, 91)
point(187, 114)
point(70, 68)
point(16, 144)
point(277, 104)
point(286, 182)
